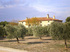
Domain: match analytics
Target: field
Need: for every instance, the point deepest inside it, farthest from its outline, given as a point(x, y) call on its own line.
point(33, 44)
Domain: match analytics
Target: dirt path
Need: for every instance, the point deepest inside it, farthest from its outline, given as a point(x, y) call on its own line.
point(5, 49)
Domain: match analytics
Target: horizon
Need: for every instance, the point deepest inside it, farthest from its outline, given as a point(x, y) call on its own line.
point(20, 9)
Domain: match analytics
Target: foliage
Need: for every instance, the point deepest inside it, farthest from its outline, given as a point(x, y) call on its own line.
point(15, 31)
point(45, 31)
point(29, 32)
point(23, 30)
point(68, 19)
point(2, 31)
point(32, 21)
point(66, 31)
point(28, 21)
point(60, 31)
point(13, 23)
point(39, 31)
point(56, 29)
point(4, 23)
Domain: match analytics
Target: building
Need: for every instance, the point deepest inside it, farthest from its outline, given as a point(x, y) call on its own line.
point(44, 21)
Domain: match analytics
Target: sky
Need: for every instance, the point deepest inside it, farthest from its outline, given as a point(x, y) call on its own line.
point(20, 9)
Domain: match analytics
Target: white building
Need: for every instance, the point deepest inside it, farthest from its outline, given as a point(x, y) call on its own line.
point(44, 21)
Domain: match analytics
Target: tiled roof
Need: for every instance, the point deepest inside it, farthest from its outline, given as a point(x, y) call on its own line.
point(44, 19)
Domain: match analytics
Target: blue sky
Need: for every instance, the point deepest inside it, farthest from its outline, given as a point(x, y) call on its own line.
point(20, 9)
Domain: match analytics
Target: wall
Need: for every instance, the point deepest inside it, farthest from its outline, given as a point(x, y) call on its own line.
point(23, 23)
point(45, 23)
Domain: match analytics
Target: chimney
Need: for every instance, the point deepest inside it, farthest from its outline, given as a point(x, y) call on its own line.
point(47, 15)
point(53, 17)
point(26, 17)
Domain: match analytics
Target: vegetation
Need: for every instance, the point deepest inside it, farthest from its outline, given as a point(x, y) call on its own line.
point(23, 31)
point(57, 30)
point(66, 32)
point(29, 31)
point(15, 31)
point(13, 23)
point(32, 21)
point(4, 23)
point(60, 31)
point(68, 19)
point(39, 31)
point(2, 31)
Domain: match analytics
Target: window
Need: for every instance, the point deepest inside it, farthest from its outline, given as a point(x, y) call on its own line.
point(40, 21)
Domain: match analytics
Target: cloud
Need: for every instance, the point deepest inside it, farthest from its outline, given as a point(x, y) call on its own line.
point(30, 8)
point(11, 3)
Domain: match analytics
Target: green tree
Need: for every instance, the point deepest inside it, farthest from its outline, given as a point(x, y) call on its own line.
point(68, 19)
point(15, 31)
point(60, 31)
point(23, 31)
point(39, 31)
point(66, 33)
point(2, 31)
point(45, 31)
point(29, 31)
point(4, 23)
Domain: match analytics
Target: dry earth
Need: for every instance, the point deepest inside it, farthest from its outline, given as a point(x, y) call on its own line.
point(5, 49)
point(33, 44)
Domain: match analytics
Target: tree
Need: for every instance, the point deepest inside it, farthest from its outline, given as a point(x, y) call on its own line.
point(45, 31)
point(68, 19)
point(4, 23)
point(13, 23)
point(66, 32)
point(28, 21)
point(29, 31)
point(60, 30)
point(2, 31)
point(15, 31)
point(23, 31)
point(39, 31)
point(32, 21)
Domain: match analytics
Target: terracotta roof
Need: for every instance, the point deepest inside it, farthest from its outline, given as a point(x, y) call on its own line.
point(44, 19)
point(22, 20)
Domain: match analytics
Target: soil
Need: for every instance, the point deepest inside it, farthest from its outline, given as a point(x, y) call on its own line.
point(33, 44)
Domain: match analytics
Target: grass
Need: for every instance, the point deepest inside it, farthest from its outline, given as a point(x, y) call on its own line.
point(33, 44)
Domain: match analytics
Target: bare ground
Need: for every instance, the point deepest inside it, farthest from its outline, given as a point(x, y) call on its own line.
point(33, 44)
point(6, 49)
